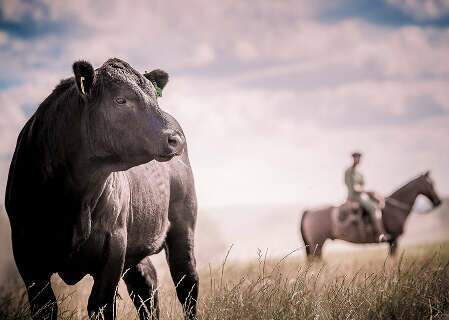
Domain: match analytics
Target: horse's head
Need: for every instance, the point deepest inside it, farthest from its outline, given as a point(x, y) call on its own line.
point(125, 122)
point(428, 190)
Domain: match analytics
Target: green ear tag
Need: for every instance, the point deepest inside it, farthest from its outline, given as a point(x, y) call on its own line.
point(158, 90)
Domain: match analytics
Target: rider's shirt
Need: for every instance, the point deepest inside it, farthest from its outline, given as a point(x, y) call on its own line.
point(354, 182)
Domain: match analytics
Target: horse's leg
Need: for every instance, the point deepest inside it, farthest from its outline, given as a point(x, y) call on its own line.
point(393, 245)
point(314, 251)
point(309, 253)
point(102, 297)
point(317, 249)
point(180, 256)
point(303, 236)
point(316, 243)
point(141, 282)
point(316, 228)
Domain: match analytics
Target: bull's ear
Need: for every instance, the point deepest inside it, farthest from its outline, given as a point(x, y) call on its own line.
point(159, 78)
point(427, 173)
point(84, 76)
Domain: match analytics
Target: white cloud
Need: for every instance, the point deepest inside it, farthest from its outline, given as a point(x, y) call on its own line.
point(204, 54)
point(252, 143)
point(245, 51)
point(288, 99)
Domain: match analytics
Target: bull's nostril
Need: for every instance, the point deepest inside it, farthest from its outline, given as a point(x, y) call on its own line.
point(173, 141)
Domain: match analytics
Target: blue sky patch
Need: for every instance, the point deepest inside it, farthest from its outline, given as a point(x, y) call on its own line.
point(28, 27)
point(6, 83)
point(377, 12)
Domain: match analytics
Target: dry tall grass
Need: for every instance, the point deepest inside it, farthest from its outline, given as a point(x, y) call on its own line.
point(365, 285)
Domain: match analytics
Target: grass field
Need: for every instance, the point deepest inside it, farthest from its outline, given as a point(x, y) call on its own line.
point(360, 285)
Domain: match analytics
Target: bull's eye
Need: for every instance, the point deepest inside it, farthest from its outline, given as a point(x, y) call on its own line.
point(120, 100)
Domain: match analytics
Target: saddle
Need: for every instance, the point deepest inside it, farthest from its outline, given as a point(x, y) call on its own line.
point(354, 207)
point(350, 208)
point(354, 223)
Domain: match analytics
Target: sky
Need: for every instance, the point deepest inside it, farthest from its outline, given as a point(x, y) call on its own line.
point(273, 95)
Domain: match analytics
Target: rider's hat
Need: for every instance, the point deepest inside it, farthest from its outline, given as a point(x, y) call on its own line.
point(356, 154)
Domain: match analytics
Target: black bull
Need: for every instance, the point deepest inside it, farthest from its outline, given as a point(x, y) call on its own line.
point(100, 180)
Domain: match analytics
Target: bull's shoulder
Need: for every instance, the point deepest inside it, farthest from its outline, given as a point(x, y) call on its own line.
point(148, 174)
point(181, 178)
point(21, 144)
point(173, 178)
point(149, 183)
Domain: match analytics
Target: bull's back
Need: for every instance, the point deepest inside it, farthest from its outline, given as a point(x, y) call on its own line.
point(16, 175)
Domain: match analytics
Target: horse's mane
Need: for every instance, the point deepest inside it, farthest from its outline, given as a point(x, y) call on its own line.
point(404, 187)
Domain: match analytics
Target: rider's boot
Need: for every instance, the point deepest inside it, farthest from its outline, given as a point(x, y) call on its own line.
point(378, 223)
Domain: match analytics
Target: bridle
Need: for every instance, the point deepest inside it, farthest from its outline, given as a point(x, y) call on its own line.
point(399, 204)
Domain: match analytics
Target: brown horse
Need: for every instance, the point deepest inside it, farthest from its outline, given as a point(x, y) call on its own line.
point(349, 223)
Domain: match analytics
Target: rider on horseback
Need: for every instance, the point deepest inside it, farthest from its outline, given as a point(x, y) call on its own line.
point(355, 184)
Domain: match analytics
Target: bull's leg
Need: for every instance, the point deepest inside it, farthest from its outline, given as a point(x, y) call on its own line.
point(42, 299)
point(37, 282)
point(141, 282)
point(180, 256)
point(102, 298)
point(182, 265)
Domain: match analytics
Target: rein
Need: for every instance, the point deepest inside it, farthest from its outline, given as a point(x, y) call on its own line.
point(398, 204)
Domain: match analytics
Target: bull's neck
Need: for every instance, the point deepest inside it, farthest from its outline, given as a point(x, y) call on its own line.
point(87, 176)
point(69, 163)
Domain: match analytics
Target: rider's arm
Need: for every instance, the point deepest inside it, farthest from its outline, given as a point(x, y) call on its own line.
point(347, 178)
point(358, 183)
point(356, 186)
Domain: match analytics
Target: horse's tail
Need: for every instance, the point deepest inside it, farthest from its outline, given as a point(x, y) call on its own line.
point(306, 243)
